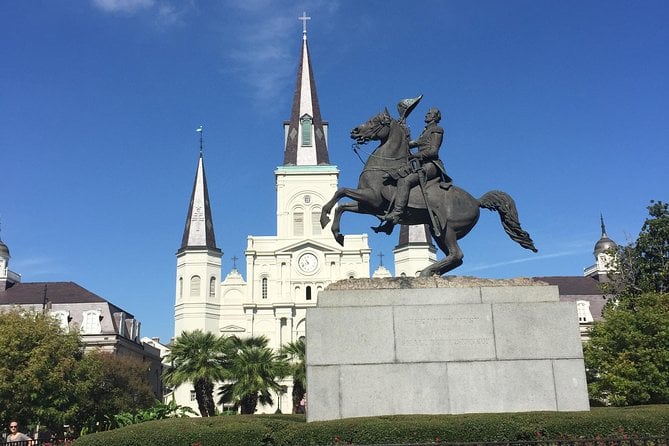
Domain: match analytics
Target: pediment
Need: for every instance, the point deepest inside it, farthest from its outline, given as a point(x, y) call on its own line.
point(232, 329)
point(307, 244)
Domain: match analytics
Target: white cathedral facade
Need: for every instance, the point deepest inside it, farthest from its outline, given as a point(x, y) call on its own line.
point(285, 272)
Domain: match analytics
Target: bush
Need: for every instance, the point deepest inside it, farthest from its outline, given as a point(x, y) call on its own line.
point(284, 430)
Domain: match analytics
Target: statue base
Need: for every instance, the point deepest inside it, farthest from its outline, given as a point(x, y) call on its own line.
point(442, 346)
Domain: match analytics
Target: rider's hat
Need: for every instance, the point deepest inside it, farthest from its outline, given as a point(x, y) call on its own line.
point(406, 106)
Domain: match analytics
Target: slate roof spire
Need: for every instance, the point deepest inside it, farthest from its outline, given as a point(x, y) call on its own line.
point(414, 235)
point(306, 132)
point(199, 230)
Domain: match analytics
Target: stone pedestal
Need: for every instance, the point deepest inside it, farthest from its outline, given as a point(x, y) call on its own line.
point(385, 347)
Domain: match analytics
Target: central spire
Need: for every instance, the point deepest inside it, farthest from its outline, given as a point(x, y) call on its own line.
point(306, 132)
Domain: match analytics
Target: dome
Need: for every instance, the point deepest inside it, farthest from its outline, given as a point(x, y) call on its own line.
point(604, 243)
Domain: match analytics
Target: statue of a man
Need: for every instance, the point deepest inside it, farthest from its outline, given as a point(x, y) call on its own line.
point(426, 159)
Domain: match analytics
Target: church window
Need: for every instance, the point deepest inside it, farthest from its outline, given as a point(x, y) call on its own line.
point(212, 287)
point(193, 396)
point(91, 322)
point(63, 318)
point(316, 222)
point(306, 130)
point(181, 287)
point(308, 296)
point(195, 286)
point(307, 199)
point(583, 310)
point(263, 287)
point(298, 222)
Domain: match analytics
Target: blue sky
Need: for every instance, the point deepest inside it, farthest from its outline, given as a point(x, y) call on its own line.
point(561, 104)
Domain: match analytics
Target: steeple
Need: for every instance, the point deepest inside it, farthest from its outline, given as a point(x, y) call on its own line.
point(414, 250)
point(306, 133)
point(199, 230)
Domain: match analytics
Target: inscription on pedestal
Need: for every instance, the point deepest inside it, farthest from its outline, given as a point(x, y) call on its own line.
point(444, 333)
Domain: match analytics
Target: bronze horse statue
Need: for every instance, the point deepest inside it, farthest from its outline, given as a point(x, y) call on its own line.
point(454, 211)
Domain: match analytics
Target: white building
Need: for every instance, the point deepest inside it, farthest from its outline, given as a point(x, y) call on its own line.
point(286, 271)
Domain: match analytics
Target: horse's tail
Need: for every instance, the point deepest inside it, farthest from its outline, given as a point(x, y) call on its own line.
point(499, 201)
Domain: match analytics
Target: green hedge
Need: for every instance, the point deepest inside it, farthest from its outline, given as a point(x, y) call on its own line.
point(284, 430)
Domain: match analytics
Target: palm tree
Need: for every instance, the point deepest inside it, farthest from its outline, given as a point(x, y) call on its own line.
point(252, 371)
point(296, 351)
point(197, 357)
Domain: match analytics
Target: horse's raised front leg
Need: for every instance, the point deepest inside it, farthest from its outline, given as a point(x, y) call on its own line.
point(368, 197)
point(448, 243)
point(349, 206)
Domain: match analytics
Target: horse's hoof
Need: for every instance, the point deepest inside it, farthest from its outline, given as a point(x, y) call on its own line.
point(340, 239)
point(427, 272)
point(324, 221)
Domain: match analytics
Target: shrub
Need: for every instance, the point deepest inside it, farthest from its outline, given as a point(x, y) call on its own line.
point(284, 430)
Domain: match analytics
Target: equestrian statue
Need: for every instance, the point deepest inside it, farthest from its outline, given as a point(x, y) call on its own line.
point(399, 186)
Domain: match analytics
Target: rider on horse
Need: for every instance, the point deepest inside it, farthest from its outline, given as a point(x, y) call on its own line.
point(425, 162)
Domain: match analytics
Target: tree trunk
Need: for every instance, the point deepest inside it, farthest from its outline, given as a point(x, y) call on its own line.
point(248, 404)
point(204, 393)
point(298, 393)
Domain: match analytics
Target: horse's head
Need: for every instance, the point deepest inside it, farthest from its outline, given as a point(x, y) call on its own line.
point(376, 128)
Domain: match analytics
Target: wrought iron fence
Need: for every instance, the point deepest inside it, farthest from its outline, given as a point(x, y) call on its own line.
point(36, 443)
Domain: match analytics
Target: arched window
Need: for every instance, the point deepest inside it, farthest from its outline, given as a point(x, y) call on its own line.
point(308, 295)
point(298, 222)
point(316, 221)
point(306, 130)
point(212, 287)
point(195, 286)
point(91, 322)
point(263, 287)
point(583, 311)
point(181, 287)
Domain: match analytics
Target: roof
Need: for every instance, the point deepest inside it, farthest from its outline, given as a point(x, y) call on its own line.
point(32, 293)
point(199, 228)
point(574, 285)
point(414, 235)
point(305, 102)
point(574, 288)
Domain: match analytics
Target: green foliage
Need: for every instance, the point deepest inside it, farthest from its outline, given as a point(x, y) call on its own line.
point(39, 369)
point(644, 266)
point(197, 357)
point(627, 357)
point(296, 352)
point(251, 372)
point(158, 411)
point(113, 384)
point(286, 430)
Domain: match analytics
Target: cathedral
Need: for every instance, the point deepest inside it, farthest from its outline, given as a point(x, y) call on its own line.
point(285, 272)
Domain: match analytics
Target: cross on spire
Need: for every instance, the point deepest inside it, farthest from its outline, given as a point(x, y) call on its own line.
point(380, 258)
point(200, 130)
point(304, 19)
point(234, 262)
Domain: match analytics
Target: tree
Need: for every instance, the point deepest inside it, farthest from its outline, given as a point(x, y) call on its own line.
point(252, 371)
point(644, 266)
point(40, 366)
point(296, 352)
point(114, 384)
point(197, 357)
point(627, 357)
